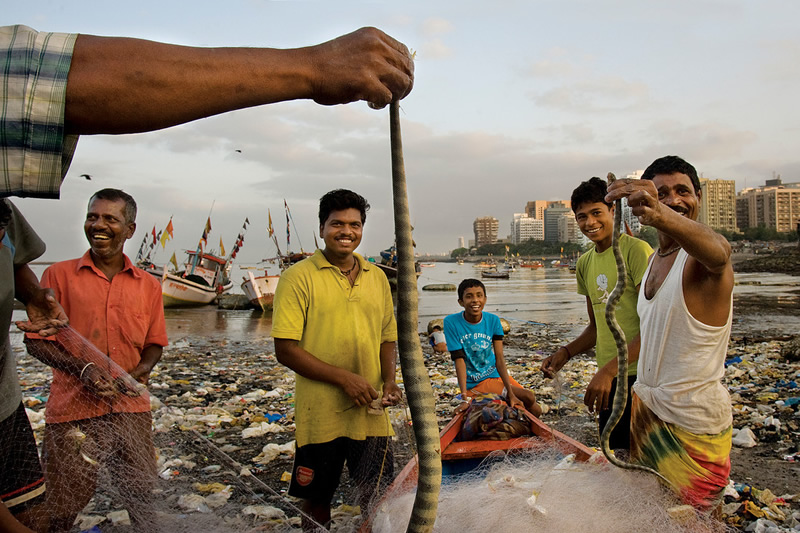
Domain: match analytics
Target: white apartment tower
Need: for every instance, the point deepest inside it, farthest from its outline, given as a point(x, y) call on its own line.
point(525, 227)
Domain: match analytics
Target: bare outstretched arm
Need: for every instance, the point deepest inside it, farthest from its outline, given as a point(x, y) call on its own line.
point(124, 85)
point(702, 243)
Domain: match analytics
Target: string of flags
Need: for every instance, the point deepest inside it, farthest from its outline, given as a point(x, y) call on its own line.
point(146, 248)
point(239, 240)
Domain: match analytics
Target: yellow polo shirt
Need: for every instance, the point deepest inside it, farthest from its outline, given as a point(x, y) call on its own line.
point(340, 325)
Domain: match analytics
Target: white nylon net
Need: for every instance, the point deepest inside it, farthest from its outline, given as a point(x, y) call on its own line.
point(223, 447)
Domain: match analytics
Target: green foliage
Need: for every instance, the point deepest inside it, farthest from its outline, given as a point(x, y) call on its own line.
point(459, 252)
point(760, 233)
point(541, 248)
point(530, 248)
point(493, 249)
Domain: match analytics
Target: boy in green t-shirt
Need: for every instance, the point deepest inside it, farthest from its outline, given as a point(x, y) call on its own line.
point(597, 274)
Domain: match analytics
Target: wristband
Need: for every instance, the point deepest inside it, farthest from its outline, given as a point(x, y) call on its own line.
point(569, 355)
point(84, 369)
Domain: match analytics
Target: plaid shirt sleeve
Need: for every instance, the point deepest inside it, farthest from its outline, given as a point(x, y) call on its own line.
point(34, 151)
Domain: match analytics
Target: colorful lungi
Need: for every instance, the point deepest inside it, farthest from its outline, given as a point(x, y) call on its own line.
point(697, 465)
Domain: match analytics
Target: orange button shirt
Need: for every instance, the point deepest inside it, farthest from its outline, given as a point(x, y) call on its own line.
point(120, 317)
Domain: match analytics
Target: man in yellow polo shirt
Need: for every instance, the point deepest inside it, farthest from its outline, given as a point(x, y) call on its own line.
point(334, 325)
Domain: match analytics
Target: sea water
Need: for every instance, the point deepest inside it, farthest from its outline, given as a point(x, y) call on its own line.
point(540, 296)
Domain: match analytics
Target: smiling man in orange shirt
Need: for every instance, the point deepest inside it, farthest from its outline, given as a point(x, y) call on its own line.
point(118, 308)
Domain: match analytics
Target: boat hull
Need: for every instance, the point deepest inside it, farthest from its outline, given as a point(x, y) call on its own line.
point(260, 290)
point(459, 457)
point(494, 275)
point(180, 292)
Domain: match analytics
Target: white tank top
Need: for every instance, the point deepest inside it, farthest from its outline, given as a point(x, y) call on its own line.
point(681, 360)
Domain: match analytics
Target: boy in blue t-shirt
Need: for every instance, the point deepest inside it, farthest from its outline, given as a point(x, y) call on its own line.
point(475, 342)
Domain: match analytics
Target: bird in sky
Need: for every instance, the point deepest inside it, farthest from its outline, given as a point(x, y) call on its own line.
point(238, 151)
point(87, 176)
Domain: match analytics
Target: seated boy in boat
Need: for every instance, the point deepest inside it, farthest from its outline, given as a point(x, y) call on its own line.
point(475, 342)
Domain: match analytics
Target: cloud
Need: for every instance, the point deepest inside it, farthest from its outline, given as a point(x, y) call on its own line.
point(603, 95)
point(433, 27)
point(433, 46)
point(706, 142)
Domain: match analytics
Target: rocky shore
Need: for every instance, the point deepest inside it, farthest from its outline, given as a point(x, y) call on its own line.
point(782, 260)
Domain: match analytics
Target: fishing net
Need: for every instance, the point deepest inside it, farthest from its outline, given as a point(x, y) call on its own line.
point(549, 492)
point(221, 453)
point(223, 448)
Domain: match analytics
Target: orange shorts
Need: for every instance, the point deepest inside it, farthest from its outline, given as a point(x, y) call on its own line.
point(492, 386)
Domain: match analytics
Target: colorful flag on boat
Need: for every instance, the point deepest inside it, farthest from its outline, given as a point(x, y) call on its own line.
point(154, 236)
point(269, 228)
point(166, 235)
point(174, 260)
point(221, 247)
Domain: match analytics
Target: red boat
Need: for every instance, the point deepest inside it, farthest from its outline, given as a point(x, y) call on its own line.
point(459, 457)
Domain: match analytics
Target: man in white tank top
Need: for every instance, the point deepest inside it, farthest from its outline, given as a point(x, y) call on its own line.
point(681, 417)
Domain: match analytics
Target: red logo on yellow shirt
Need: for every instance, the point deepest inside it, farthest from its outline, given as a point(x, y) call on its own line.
point(303, 475)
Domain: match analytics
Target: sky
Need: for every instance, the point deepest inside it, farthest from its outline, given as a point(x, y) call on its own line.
point(513, 101)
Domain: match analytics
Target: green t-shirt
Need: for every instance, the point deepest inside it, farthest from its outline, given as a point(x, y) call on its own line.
point(343, 326)
point(597, 276)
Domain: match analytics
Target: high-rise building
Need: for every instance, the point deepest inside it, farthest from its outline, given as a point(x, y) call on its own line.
point(485, 229)
point(568, 230)
point(535, 209)
point(776, 206)
point(552, 216)
point(461, 242)
point(627, 213)
point(718, 204)
point(524, 228)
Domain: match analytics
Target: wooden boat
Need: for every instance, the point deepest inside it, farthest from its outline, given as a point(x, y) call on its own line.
point(260, 290)
point(459, 457)
point(204, 277)
point(494, 274)
point(508, 267)
point(388, 264)
point(530, 264)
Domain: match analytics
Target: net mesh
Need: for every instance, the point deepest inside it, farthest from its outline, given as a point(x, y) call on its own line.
point(549, 492)
point(222, 451)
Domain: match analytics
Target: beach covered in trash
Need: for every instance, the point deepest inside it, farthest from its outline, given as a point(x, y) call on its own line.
point(223, 415)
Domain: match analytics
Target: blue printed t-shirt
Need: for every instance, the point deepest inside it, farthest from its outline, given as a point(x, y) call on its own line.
point(476, 342)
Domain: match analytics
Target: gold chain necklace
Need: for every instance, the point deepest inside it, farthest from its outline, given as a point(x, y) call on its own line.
point(668, 252)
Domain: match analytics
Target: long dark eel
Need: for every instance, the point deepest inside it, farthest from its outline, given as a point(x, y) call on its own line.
point(412, 363)
point(621, 394)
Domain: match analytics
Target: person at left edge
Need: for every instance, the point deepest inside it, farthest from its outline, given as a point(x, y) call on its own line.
point(334, 325)
point(22, 483)
point(118, 308)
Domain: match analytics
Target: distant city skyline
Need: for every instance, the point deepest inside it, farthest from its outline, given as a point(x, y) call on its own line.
point(774, 204)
